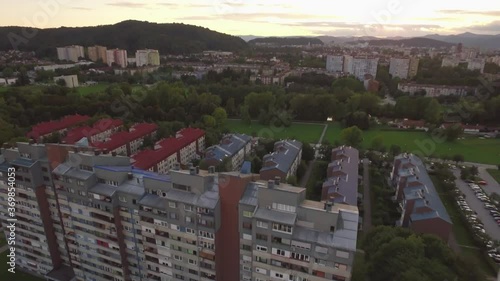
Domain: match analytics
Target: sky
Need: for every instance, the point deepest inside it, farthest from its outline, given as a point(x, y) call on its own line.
point(381, 18)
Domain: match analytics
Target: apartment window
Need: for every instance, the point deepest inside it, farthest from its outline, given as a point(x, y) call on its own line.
point(113, 183)
point(261, 248)
point(189, 219)
point(262, 224)
point(282, 228)
point(261, 237)
point(246, 268)
point(191, 261)
point(283, 207)
point(247, 225)
point(246, 247)
point(340, 266)
point(278, 275)
point(80, 183)
point(178, 267)
point(46, 179)
point(279, 252)
point(174, 216)
point(260, 259)
point(177, 258)
point(206, 234)
point(342, 254)
point(190, 230)
point(321, 250)
point(194, 272)
point(178, 276)
point(320, 262)
point(122, 199)
point(82, 193)
point(247, 236)
point(300, 257)
point(247, 214)
point(188, 208)
point(318, 273)
point(338, 278)
point(247, 258)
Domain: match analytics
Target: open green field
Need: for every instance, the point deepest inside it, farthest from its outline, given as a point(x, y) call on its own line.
point(473, 149)
point(18, 276)
point(495, 173)
point(303, 132)
point(85, 90)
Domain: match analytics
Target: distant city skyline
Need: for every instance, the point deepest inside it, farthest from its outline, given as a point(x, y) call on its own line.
point(381, 18)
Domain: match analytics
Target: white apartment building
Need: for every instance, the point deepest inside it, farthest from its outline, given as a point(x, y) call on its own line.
point(399, 67)
point(70, 53)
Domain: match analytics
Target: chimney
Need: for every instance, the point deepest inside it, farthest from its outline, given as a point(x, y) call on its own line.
point(270, 184)
point(192, 171)
point(211, 170)
point(130, 176)
point(277, 181)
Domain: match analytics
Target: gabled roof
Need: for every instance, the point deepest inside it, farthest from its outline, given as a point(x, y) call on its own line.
point(342, 184)
point(228, 147)
point(100, 126)
point(426, 190)
point(122, 138)
point(45, 128)
point(285, 153)
point(165, 148)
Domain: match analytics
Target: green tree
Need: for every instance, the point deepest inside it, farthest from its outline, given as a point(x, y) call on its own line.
point(453, 132)
point(230, 107)
point(458, 158)
point(244, 115)
point(352, 136)
point(7, 72)
point(433, 112)
point(61, 82)
point(209, 121)
point(220, 116)
point(292, 180)
point(307, 152)
point(377, 143)
point(395, 150)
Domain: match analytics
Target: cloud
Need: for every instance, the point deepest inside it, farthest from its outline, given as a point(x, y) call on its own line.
point(127, 4)
point(81, 8)
point(467, 12)
point(492, 27)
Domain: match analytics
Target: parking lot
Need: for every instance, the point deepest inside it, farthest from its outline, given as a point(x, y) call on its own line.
point(490, 225)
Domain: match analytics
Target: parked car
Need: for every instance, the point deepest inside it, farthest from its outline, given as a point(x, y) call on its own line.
point(482, 182)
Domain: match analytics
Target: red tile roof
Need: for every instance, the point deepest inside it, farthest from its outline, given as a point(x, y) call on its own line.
point(45, 128)
point(122, 138)
point(165, 148)
point(100, 126)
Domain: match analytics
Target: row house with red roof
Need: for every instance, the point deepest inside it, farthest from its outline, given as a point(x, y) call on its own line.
point(128, 142)
point(99, 132)
point(46, 129)
point(187, 145)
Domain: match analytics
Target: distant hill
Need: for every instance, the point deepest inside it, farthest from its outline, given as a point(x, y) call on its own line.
point(410, 42)
point(285, 41)
point(130, 35)
point(470, 40)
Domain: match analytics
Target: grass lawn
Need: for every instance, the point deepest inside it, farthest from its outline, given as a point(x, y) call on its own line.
point(18, 276)
point(495, 173)
point(473, 149)
point(302, 132)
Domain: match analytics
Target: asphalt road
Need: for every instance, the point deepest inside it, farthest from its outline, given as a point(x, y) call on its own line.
point(490, 226)
point(492, 185)
point(367, 217)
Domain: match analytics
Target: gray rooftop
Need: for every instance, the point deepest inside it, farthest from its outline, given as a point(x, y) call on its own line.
point(430, 196)
point(283, 156)
point(276, 216)
point(228, 147)
point(250, 195)
point(342, 184)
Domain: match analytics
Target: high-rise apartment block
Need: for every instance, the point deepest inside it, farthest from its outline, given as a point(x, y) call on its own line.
point(147, 57)
point(399, 68)
point(96, 53)
point(357, 66)
point(87, 215)
point(70, 53)
point(117, 56)
point(335, 63)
